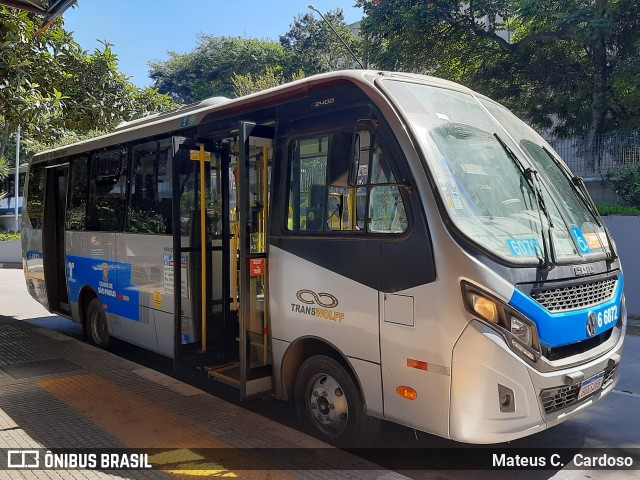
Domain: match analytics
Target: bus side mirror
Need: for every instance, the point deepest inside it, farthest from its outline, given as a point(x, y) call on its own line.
point(355, 161)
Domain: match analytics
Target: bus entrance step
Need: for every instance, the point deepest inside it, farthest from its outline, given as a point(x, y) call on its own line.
point(229, 373)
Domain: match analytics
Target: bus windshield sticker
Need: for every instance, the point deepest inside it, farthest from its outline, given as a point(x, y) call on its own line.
point(524, 247)
point(583, 245)
point(593, 240)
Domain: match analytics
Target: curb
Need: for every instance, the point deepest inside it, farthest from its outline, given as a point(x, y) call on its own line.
point(10, 265)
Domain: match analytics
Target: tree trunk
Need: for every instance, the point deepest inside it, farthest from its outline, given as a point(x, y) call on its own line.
point(600, 88)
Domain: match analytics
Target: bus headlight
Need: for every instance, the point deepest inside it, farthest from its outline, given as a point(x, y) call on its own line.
point(485, 307)
point(518, 332)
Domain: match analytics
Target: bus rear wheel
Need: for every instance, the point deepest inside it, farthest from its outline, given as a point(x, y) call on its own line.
point(96, 324)
point(330, 405)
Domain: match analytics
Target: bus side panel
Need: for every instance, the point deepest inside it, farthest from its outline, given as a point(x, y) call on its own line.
point(415, 338)
point(90, 263)
point(310, 301)
point(149, 284)
point(93, 261)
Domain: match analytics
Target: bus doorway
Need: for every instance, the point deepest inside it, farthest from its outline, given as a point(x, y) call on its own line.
point(222, 319)
point(53, 244)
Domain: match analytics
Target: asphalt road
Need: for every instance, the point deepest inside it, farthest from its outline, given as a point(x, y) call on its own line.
point(614, 423)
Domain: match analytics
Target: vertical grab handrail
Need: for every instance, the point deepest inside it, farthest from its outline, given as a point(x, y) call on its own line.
point(203, 248)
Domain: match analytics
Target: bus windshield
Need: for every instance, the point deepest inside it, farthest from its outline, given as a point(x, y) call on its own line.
point(497, 179)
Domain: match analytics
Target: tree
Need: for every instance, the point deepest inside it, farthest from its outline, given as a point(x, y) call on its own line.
point(25, 62)
point(49, 84)
point(312, 47)
point(97, 94)
point(208, 70)
point(566, 65)
point(235, 66)
point(249, 83)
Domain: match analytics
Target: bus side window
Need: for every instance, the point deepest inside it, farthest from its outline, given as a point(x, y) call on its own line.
point(308, 183)
point(149, 207)
point(387, 213)
point(77, 203)
point(35, 194)
point(318, 199)
point(107, 198)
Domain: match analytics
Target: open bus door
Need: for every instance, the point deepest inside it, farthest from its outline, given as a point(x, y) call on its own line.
point(252, 181)
point(199, 260)
point(53, 238)
point(222, 316)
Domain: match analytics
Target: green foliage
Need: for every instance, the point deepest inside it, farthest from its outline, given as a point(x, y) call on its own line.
point(625, 181)
point(99, 96)
point(146, 222)
point(249, 83)
point(208, 70)
point(49, 84)
point(311, 45)
point(231, 66)
point(56, 137)
point(574, 62)
point(26, 65)
point(6, 236)
point(76, 219)
point(607, 209)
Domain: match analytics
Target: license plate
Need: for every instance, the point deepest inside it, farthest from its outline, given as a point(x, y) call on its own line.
point(591, 385)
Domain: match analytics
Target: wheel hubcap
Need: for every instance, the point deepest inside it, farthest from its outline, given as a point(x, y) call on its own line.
point(327, 405)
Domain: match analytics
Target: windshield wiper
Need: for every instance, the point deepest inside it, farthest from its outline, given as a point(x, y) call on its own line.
point(531, 176)
point(581, 189)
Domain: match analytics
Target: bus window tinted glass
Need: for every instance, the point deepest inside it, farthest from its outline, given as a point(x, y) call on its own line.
point(318, 201)
point(107, 200)
point(149, 209)
point(386, 208)
point(77, 203)
point(35, 194)
point(308, 184)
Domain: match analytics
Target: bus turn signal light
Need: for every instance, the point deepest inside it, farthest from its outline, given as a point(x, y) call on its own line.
point(407, 392)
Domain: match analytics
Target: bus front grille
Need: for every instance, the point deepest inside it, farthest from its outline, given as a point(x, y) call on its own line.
point(572, 297)
point(557, 398)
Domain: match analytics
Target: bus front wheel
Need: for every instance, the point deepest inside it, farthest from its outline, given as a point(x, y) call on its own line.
point(96, 324)
point(329, 403)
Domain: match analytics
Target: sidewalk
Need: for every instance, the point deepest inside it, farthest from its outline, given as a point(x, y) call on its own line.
point(58, 392)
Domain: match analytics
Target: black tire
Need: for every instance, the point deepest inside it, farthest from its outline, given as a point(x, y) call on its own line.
point(330, 405)
point(97, 329)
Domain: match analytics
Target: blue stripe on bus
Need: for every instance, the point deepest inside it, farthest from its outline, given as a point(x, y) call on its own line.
point(110, 280)
point(556, 330)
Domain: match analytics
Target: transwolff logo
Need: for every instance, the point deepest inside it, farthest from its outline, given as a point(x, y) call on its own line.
point(319, 305)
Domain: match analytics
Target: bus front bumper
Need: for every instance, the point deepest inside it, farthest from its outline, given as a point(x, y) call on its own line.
point(497, 397)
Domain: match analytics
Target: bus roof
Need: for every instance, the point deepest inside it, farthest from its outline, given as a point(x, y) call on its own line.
point(191, 115)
